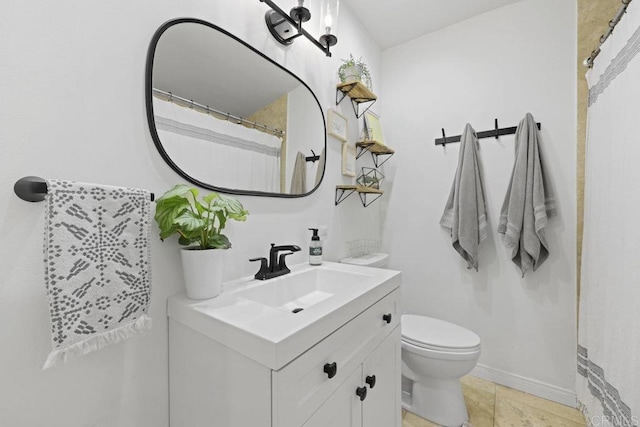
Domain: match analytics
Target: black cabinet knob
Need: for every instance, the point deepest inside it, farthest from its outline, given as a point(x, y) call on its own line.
point(371, 380)
point(331, 369)
point(362, 392)
point(387, 317)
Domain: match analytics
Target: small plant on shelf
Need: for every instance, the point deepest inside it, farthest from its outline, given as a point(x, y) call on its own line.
point(370, 177)
point(354, 70)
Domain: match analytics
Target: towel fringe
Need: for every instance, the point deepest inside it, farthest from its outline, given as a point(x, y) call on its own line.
point(142, 324)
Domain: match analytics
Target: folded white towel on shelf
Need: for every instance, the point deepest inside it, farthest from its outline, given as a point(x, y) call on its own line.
point(529, 201)
point(465, 214)
point(97, 266)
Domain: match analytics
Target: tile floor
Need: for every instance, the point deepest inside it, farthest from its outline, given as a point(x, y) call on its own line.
point(493, 405)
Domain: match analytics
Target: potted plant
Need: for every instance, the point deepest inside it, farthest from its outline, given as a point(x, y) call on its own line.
point(354, 70)
point(199, 224)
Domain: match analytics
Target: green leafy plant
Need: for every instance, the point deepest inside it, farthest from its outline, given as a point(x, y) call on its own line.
point(180, 212)
point(371, 181)
point(357, 67)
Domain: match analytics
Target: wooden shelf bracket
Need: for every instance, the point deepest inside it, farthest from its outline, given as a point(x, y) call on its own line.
point(344, 191)
point(358, 93)
point(376, 149)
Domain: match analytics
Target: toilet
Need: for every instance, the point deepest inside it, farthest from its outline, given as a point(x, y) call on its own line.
point(435, 355)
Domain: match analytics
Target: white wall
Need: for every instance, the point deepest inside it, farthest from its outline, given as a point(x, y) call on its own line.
point(501, 64)
point(73, 108)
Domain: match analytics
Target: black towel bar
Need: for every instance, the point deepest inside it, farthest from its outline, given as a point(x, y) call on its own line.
point(33, 189)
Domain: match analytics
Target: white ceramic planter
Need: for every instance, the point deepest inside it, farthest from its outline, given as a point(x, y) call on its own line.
point(203, 271)
point(351, 74)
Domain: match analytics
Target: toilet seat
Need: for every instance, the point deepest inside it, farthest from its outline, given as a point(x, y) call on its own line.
point(437, 335)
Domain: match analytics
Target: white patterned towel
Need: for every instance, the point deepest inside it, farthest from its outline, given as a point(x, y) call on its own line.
point(97, 267)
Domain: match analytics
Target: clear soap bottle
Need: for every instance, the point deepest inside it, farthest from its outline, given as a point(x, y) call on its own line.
point(315, 248)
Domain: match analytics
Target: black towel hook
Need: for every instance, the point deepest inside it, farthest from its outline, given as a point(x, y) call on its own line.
point(444, 139)
point(497, 129)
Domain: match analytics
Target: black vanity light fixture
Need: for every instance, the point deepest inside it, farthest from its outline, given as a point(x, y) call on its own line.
point(286, 27)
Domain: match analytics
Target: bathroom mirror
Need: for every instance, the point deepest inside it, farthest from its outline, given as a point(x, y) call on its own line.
point(227, 118)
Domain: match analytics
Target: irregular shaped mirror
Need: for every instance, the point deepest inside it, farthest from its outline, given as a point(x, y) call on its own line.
point(227, 118)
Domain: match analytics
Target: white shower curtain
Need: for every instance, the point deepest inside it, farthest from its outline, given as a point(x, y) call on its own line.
point(608, 379)
point(216, 151)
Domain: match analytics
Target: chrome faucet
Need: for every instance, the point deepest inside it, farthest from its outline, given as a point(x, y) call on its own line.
point(276, 266)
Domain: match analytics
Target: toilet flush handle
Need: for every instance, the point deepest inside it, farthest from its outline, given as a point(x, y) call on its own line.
point(387, 317)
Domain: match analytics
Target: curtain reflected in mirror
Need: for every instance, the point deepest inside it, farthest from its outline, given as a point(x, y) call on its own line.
point(227, 118)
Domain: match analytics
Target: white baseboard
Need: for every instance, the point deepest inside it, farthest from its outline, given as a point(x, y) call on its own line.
point(528, 385)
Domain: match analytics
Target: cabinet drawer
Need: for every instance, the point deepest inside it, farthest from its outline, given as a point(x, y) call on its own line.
point(302, 386)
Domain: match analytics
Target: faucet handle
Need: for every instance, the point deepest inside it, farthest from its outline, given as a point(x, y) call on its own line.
point(281, 261)
point(264, 269)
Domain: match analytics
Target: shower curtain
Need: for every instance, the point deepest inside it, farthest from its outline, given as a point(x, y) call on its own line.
point(216, 151)
point(608, 377)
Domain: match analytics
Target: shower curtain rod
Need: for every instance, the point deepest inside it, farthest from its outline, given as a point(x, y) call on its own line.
point(588, 62)
point(168, 96)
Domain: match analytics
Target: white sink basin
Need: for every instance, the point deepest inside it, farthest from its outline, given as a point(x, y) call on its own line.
point(257, 318)
point(304, 289)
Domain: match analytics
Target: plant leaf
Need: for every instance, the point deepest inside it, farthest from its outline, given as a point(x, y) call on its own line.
point(209, 198)
point(233, 208)
point(186, 241)
point(167, 210)
point(218, 241)
point(189, 222)
point(222, 219)
point(178, 190)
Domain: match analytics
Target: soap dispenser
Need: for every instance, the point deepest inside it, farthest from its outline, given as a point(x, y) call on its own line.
point(315, 248)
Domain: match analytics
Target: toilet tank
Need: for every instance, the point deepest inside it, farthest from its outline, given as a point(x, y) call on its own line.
point(378, 260)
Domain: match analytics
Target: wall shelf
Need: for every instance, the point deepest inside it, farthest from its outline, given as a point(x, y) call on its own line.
point(376, 149)
point(365, 193)
point(358, 93)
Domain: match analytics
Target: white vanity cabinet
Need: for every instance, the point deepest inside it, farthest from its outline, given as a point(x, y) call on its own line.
point(369, 395)
point(366, 346)
point(324, 385)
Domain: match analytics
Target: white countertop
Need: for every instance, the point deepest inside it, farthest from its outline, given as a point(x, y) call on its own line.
point(270, 335)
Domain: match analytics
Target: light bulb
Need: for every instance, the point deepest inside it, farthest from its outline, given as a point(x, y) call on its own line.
point(328, 20)
point(329, 14)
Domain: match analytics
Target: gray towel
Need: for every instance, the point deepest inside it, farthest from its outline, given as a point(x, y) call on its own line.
point(528, 203)
point(97, 267)
point(299, 176)
point(465, 214)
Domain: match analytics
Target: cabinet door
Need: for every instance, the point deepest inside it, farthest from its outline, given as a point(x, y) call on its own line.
point(382, 407)
point(343, 408)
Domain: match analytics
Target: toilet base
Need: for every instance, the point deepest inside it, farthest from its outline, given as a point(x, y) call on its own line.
point(439, 401)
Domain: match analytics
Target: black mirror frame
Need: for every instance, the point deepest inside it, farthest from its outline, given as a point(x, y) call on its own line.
point(148, 88)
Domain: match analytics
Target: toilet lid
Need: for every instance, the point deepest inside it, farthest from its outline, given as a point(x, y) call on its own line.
point(427, 332)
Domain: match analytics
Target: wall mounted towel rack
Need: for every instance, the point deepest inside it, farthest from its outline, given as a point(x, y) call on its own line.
point(33, 189)
point(496, 132)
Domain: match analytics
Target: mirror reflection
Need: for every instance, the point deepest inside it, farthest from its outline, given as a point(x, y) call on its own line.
point(227, 118)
